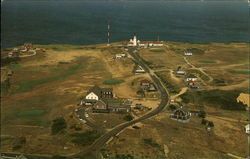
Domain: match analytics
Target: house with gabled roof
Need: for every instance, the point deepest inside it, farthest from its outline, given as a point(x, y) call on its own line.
point(191, 77)
point(100, 107)
point(139, 70)
point(181, 114)
point(96, 93)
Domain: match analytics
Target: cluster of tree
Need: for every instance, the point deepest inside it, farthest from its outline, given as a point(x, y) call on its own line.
point(128, 156)
point(6, 61)
point(19, 142)
point(58, 125)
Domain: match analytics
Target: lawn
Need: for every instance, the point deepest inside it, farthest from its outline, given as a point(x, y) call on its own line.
point(14, 66)
point(157, 50)
point(28, 85)
point(239, 71)
point(207, 61)
point(113, 81)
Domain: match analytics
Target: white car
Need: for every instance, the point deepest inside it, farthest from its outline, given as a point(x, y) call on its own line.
point(86, 115)
point(76, 110)
point(84, 121)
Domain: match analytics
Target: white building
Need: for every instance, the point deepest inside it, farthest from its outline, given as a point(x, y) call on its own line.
point(133, 42)
point(180, 73)
point(155, 43)
point(188, 53)
point(92, 96)
point(191, 78)
point(247, 129)
point(139, 70)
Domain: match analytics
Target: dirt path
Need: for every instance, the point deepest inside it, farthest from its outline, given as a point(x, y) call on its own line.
point(34, 53)
point(199, 69)
point(178, 80)
point(183, 90)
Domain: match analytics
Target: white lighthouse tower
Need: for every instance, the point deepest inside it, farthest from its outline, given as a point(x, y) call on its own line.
point(134, 41)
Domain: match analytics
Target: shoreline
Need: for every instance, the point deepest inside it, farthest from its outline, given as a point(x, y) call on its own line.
point(119, 42)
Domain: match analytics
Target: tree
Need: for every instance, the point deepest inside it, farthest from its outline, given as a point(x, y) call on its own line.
point(202, 114)
point(140, 92)
point(58, 125)
point(172, 107)
point(210, 124)
point(128, 117)
point(204, 121)
point(58, 157)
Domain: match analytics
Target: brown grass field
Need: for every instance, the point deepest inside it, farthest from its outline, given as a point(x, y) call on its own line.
point(51, 83)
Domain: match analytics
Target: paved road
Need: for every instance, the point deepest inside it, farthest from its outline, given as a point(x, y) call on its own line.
point(6, 155)
point(99, 143)
point(81, 113)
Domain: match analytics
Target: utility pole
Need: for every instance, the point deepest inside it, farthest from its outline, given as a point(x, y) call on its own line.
point(108, 34)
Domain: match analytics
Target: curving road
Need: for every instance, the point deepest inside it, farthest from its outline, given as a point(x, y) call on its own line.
point(99, 143)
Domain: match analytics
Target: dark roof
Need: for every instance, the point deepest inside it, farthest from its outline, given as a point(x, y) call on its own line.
point(107, 89)
point(183, 109)
point(96, 89)
point(145, 81)
point(191, 76)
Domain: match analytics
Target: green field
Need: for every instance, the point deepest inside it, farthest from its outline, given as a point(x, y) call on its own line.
point(157, 50)
point(113, 81)
point(239, 71)
point(207, 61)
point(31, 113)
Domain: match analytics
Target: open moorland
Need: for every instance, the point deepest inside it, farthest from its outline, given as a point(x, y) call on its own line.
point(48, 86)
point(223, 73)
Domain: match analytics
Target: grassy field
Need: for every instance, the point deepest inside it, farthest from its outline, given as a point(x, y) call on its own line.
point(50, 85)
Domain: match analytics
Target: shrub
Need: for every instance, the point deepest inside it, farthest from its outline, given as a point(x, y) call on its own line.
point(16, 147)
point(128, 156)
point(128, 117)
point(150, 142)
point(172, 107)
point(202, 114)
point(140, 92)
point(58, 125)
point(86, 138)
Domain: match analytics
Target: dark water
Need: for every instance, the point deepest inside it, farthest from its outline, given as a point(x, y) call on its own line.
point(77, 22)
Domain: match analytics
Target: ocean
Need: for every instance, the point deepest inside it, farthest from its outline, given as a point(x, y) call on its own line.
point(85, 22)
